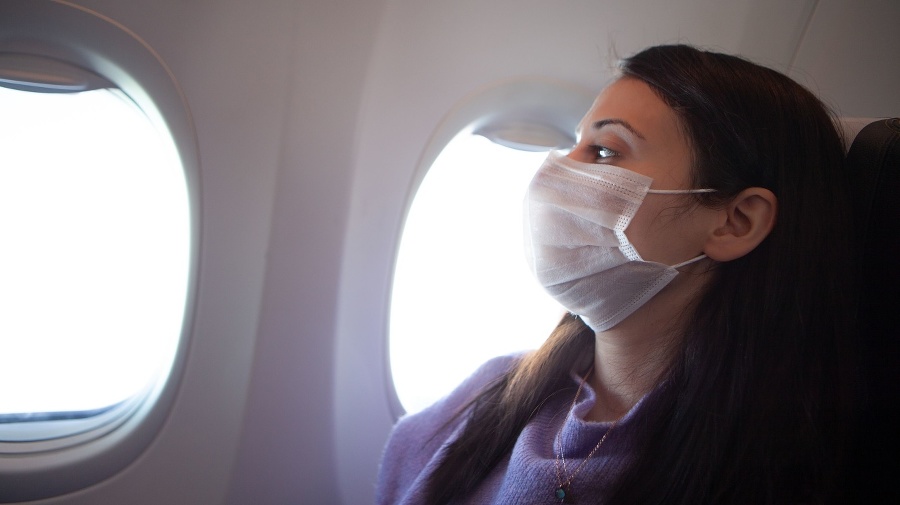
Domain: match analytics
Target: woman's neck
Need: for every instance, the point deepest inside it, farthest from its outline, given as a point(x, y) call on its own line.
point(631, 358)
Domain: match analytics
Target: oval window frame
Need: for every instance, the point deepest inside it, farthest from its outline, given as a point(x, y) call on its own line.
point(95, 449)
point(363, 321)
point(525, 104)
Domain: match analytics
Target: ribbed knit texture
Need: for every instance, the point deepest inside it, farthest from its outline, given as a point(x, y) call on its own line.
point(529, 474)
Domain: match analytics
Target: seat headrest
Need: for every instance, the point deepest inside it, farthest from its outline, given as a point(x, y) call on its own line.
point(851, 127)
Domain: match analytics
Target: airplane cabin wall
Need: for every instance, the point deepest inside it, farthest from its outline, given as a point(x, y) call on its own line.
point(233, 61)
point(848, 57)
point(314, 120)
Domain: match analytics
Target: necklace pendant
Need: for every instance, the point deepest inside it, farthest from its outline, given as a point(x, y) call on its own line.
point(562, 495)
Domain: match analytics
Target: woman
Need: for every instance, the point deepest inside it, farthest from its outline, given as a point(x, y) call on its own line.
point(697, 234)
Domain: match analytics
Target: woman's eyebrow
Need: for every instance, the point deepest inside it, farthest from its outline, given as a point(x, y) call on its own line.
point(621, 122)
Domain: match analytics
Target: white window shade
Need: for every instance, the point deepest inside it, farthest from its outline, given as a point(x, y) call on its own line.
point(28, 72)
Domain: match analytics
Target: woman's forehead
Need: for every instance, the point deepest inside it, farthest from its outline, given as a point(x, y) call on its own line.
point(631, 107)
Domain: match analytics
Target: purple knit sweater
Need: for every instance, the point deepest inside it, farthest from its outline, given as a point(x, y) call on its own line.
point(527, 475)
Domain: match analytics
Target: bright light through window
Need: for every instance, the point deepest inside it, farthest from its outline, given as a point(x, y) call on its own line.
point(462, 290)
point(94, 221)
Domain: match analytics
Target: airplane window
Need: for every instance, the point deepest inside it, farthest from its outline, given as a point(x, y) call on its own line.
point(95, 225)
point(462, 290)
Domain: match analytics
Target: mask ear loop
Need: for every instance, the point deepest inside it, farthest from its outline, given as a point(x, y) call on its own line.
point(679, 191)
point(683, 192)
point(688, 262)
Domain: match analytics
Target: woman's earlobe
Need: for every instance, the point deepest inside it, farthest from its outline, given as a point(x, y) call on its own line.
point(744, 223)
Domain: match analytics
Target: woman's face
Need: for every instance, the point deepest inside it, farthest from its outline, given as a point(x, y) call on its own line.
point(629, 126)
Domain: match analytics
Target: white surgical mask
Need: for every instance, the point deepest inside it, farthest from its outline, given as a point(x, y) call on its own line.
point(575, 220)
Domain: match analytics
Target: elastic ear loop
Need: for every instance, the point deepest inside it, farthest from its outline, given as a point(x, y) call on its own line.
point(688, 262)
point(679, 191)
point(682, 192)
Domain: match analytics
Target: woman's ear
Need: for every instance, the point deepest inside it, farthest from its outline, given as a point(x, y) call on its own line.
point(743, 224)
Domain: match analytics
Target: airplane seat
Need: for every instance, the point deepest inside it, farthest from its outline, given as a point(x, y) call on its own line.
point(873, 164)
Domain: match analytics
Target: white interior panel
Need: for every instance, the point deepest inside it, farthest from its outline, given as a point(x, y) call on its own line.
point(849, 57)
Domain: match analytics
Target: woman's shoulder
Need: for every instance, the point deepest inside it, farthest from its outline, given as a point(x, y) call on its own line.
point(417, 438)
point(432, 420)
point(483, 377)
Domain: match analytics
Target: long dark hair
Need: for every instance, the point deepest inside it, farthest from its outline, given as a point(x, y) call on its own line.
point(757, 397)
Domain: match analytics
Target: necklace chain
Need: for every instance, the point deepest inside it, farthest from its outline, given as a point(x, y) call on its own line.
point(562, 490)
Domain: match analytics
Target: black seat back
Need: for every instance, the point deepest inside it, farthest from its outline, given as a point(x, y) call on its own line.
point(874, 164)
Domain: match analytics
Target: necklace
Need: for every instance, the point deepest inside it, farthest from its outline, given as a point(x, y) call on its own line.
point(562, 492)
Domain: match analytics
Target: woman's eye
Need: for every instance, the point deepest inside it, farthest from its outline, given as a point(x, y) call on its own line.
point(602, 152)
